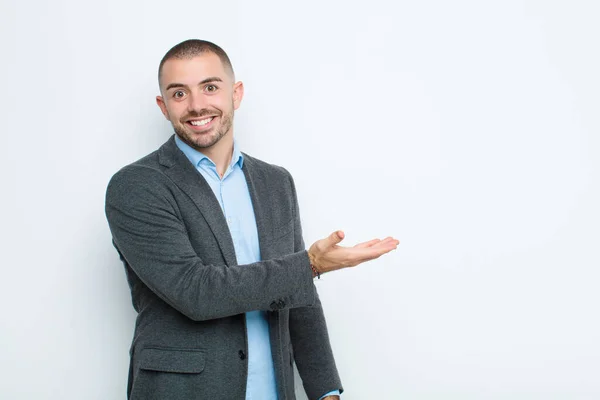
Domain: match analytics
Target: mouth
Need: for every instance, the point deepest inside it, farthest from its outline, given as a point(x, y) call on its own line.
point(201, 124)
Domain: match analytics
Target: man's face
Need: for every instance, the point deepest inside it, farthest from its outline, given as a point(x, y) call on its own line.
point(199, 98)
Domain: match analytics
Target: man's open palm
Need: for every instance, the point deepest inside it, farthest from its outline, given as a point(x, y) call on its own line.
point(327, 255)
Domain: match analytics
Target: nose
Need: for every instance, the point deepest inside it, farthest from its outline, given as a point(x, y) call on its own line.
point(197, 102)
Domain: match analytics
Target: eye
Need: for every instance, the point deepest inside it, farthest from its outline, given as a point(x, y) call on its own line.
point(178, 94)
point(211, 88)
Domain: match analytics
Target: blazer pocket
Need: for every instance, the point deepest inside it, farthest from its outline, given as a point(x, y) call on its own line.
point(170, 374)
point(173, 360)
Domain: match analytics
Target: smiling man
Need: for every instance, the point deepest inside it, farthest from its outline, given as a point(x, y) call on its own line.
point(213, 252)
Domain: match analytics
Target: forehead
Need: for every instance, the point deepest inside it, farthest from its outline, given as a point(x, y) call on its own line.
point(190, 71)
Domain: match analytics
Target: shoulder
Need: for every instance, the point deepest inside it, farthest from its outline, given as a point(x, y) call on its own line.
point(142, 179)
point(150, 169)
point(265, 168)
point(137, 172)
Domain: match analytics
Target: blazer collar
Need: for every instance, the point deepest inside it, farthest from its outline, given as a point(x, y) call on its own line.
point(261, 200)
point(181, 171)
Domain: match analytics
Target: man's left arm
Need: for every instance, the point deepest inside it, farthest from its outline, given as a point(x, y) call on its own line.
point(310, 339)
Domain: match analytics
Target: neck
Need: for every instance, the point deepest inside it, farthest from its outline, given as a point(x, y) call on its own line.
point(221, 152)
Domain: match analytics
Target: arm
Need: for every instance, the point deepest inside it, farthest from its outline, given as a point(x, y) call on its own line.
point(150, 235)
point(310, 340)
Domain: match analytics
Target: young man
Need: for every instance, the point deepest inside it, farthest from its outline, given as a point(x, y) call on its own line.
point(213, 250)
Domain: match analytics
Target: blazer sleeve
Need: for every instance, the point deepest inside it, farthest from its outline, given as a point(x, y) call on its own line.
point(310, 341)
point(152, 239)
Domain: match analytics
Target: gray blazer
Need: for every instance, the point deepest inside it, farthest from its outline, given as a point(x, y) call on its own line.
point(190, 293)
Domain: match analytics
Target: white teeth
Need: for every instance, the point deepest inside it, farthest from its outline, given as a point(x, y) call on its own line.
point(201, 122)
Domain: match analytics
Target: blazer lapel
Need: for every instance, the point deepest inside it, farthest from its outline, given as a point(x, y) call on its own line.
point(259, 194)
point(192, 183)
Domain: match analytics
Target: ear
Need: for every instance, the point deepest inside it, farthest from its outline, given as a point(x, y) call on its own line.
point(163, 107)
point(238, 94)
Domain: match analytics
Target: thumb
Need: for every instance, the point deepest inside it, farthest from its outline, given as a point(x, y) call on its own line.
point(334, 238)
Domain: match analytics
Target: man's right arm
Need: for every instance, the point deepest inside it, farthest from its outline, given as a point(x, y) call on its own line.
point(150, 235)
point(152, 238)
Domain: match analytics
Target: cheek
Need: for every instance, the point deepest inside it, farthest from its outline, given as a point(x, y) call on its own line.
point(224, 102)
point(175, 111)
point(228, 105)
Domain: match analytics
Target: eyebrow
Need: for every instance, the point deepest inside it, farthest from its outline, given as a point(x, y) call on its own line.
point(203, 82)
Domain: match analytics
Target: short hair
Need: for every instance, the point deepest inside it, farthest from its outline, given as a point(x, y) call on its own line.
point(192, 48)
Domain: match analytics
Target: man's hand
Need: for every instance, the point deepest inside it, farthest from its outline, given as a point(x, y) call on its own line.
point(325, 255)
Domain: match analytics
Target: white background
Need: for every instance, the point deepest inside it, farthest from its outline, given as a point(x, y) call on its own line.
point(467, 129)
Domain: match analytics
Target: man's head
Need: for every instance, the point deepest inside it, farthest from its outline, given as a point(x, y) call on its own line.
point(198, 92)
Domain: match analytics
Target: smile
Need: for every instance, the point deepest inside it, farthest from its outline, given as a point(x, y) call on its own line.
point(200, 124)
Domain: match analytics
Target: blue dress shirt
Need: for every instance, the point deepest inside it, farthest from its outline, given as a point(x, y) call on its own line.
point(232, 193)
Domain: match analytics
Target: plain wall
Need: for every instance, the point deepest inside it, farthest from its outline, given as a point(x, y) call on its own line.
point(467, 129)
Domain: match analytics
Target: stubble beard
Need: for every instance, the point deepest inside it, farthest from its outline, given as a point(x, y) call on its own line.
point(205, 139)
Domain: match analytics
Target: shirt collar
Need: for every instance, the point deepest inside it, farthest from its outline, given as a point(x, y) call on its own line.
point(196, 157)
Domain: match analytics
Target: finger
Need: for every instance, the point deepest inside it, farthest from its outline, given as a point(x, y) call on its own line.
point(386, 243)
point(375, 242)
point(360, 255)
point(367, 244)
point(334, 238)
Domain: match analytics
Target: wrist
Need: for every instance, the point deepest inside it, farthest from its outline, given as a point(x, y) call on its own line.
point(316, 272)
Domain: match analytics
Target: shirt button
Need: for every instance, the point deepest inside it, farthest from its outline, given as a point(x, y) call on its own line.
point(242, 355)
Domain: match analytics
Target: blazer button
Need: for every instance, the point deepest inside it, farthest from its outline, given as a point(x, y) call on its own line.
point(274, 306)
point(281, 304)
point(242, 355)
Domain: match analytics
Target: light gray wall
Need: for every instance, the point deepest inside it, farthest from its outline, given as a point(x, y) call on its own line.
point(467, 129)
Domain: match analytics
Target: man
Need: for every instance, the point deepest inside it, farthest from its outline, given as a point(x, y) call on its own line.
point(214, 256)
